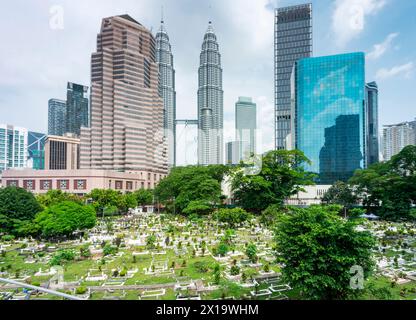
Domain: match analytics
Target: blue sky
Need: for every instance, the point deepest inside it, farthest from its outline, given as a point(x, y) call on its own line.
point(36, 60)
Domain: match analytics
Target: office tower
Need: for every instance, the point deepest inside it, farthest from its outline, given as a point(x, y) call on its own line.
point(36, 150)
point(246, 126)
point(77, 113)
point(164, 58)
point(328, 114)
point(210, 102)
point(62, 153)
point(396, 137)
point(372, 143)
point(57, 117)
point(126, 132)
point(13, 147)
point(292, 41)
point(233, 153)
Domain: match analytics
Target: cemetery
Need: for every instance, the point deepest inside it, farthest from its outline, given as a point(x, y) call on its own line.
point(163, 257)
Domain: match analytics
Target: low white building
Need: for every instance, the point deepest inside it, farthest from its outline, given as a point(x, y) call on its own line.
point(311, 195)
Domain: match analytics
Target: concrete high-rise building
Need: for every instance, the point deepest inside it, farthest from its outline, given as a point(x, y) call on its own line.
point(126, 132)
point(210, 102)
point(328, 115)
point(246, 126)
point(164, 58)
point(396, 137)
point(372, 133)
point(36, 150)
point(56, 117)
point(13, 147)
point(77, 112)
point(292, 41)
point(62, 153)
point(233, 153)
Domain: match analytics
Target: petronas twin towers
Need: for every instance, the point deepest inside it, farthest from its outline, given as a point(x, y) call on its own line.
point(210, 97)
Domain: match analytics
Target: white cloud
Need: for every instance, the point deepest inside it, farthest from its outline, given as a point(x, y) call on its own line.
point(405, 69)
point(381, 48)
point(348, 19)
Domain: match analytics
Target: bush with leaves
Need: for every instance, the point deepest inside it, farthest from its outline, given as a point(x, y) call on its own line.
point(64, 218)
point(251, 252)
point(196, 208)
point(318, 248)
point(222, 249)
point(61, 257)
point(271, 215)
point(109, 250)
point(18, 207)
point(232, 217)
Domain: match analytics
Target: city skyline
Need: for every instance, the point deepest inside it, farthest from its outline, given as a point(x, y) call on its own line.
point(390, 53)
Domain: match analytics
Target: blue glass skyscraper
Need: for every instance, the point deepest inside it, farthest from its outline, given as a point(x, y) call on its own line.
point(329, 114)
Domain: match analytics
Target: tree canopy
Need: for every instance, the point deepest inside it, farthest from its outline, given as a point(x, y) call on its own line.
point(342, 194)
point(281, 176)
point(64, 218)
point(17, 208)
point(56, 196)
point(144, 197)
point(318, 249)
point(188, 184)
point(389, 188)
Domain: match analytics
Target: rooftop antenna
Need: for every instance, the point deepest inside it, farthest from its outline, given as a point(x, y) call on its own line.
point(162, 20)
point(209, 14)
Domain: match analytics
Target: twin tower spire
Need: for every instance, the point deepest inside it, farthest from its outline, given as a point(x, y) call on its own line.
point(210, 97)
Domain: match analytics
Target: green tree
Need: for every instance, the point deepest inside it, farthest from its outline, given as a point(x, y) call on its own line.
point(193, 183)
point(318, 249)
point(102, 199)
point(151, 241)
point(271, 215)
point(64, 218)
point(251, 252)
point(127, 201)
point(61, 257)
point(389, 188)
point(109, 249)
point(342, 194)
point(53, 197)
point(222, 249)
point(232, 217)
point(144, 197)
point(281, 176)
point(18, 207)
point(199, 207)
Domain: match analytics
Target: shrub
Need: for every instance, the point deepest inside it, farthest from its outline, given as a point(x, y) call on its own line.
point(81, 290)
point(109, 249)
point(202, 266)
point(7, 238)
point(232, 216)
point(234, 271)
point(62, 257)
point(222, 249)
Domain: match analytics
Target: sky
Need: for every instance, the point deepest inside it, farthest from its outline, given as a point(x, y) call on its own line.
point(47, 43)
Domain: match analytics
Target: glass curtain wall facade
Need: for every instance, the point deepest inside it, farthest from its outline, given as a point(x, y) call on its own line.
point(36, 150)
point(77, 113)
point(328, 108)
point(372, 134)
point(56, 117)
point(292, 41)
point(246, 125)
